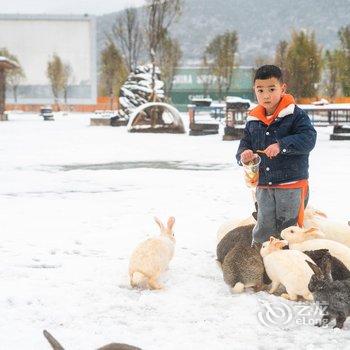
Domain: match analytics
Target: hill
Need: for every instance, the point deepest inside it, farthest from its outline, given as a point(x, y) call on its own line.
point(260, 24)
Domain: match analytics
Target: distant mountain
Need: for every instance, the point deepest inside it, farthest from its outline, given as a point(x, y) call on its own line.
point(260, 24)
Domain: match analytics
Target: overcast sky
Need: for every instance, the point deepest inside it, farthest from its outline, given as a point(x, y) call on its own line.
point(92, 7)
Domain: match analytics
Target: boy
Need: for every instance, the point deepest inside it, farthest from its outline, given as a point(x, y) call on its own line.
point(284, 133)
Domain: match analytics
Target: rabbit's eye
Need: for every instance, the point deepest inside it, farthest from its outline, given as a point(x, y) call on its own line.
point(291, 231)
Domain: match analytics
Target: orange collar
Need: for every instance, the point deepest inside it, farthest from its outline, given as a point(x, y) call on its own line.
point(260, 112)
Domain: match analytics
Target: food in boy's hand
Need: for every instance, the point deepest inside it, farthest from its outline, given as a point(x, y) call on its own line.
point(251, 171)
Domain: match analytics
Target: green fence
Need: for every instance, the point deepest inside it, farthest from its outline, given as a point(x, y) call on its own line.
point(190, 81)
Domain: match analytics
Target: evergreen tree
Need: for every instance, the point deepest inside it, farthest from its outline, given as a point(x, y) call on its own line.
point(332, 65)
point(344, 36)
point(281, 57)
point(303, 63)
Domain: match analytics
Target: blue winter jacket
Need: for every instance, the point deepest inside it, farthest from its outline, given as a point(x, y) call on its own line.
point(296, 137)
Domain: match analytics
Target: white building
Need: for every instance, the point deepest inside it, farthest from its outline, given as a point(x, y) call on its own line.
point(35, 38)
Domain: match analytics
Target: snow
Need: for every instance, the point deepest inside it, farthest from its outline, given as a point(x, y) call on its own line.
point(171, 114)
point(326, 107)
point(235, 99)
point(75, 201)
point(8, 63)
point(140, 81)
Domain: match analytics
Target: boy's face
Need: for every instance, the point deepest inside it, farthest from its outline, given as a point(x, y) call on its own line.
point(269, 93)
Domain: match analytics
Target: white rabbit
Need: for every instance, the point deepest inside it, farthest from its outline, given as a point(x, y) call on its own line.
point(287, 267)
point(230, 225)
point(333, 230)
point(311, 212)
point(152, 257)
point(296, 234)
point(304, 239)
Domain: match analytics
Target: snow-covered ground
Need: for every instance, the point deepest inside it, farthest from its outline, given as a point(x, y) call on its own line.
point(74, 202)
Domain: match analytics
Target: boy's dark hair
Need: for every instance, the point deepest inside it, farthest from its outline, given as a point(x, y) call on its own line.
point(269, 71)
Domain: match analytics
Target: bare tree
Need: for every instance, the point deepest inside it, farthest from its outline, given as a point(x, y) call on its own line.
point(56, 74)
point(169, 55)
point(127, 35)
point(68, 72)
point(113, 72)
point(14, 77)
point(161, 14)
point(221, 53)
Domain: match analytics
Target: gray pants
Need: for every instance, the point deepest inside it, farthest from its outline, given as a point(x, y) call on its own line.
point(277, 209)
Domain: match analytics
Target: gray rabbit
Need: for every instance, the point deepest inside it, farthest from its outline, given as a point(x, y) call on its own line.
point(239, 234)
point(333, 295)
point(114, 346)
point(339, 271)
point(241, 263)
point(243, 267)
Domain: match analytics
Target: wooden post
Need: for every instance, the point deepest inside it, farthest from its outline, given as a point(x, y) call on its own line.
point(192, 113)
point(230, 119)
point(2, 93)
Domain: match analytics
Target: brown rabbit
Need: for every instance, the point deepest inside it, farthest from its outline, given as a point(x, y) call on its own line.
point(243, 267)
point(241, 264)
point(114, 346)
point(240, 234)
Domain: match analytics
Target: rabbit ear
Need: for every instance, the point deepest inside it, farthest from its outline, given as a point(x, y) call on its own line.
point(160, 224)
point(320, 213)
point(170, 223)
point(280, 243)
point(317, 271)
point(52, 341)
point(311, 230)
point(314, 231)
point(272, 238)
point(326, 264)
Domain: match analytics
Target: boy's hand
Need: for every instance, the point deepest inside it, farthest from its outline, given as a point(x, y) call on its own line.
point(272, 150)
point(247, 156)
